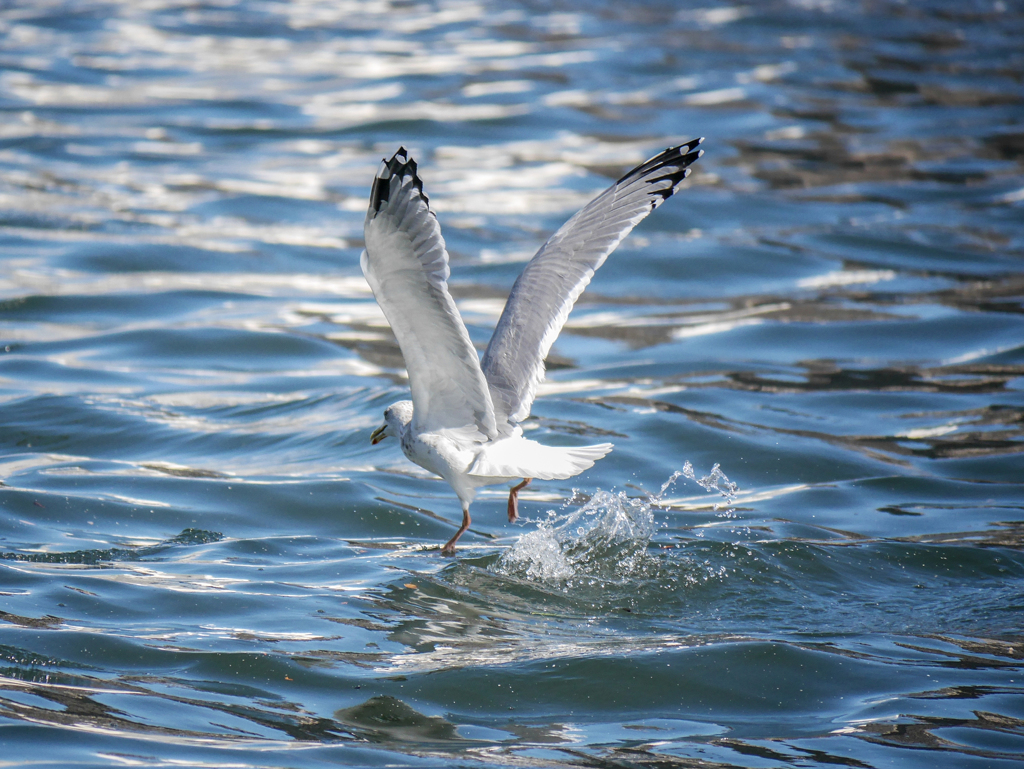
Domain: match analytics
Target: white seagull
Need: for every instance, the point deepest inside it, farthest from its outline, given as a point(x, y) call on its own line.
point(463, 422)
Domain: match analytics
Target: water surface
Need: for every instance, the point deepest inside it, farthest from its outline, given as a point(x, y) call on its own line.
point(202, 559)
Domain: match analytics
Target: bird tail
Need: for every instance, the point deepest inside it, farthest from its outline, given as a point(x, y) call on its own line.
point(523, 458)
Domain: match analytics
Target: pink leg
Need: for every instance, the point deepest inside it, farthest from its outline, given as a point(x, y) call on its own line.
point(513, 500)
point(449, 549)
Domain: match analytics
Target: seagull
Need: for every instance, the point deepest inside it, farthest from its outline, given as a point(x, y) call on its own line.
point(464, 420)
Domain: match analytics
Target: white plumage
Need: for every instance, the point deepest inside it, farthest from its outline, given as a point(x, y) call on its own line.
point(463, 421)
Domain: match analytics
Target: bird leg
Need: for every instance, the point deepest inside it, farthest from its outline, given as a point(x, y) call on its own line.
point(449, 548)
point(513, 500)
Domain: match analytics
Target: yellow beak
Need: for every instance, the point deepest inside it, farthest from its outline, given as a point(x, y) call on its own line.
point(378, 435)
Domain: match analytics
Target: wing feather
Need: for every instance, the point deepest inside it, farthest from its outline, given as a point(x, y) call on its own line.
point(406, 265)
point(548, 287)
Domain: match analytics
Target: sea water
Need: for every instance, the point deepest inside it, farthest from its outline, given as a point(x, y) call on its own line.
point(805, 548)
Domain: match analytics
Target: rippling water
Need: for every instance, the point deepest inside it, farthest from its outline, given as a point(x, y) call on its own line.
point(204, 561)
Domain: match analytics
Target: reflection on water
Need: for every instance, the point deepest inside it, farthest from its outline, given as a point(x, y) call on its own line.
point(203, 561)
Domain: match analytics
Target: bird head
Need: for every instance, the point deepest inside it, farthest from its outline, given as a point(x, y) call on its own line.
point(397, 417)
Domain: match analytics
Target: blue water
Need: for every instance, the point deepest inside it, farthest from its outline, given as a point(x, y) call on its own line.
point(204, 562)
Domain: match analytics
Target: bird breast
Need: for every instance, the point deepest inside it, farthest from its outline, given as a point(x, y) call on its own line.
point(438, 453)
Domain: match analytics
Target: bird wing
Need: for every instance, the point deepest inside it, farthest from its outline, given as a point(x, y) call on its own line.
point(548, 287)
point(406, 265)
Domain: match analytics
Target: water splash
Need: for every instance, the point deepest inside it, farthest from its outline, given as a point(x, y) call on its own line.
point(606, 541)
point(716, 480)
point(603, 542)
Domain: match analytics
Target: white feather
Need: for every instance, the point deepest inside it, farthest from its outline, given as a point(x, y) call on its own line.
point(518, 457)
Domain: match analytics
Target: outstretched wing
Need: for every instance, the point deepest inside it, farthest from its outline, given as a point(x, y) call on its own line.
point(406, 265)
point(548, 287)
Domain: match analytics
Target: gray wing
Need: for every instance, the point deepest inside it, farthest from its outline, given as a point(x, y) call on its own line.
point(406, 265)
point(548, 287)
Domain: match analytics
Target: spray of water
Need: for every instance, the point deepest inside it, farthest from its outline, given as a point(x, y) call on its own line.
point(605, 542)
point(716, 480)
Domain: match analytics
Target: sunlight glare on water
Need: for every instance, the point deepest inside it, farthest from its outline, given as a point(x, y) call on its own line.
point(809, 360)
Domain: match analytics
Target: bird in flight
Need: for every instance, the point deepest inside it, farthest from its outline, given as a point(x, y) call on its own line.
point(463, 422)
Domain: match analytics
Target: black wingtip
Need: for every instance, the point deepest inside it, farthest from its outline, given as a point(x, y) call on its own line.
point(671, 165)
point(674, 160)
point(398, 167)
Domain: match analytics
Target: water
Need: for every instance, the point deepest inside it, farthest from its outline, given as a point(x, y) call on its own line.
point(204, 561)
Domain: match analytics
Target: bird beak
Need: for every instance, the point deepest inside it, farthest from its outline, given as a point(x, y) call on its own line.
point(378, 435)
